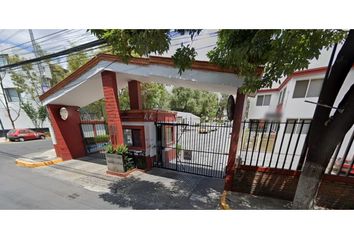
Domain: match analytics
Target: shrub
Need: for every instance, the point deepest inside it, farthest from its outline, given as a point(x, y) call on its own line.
point(101, 138)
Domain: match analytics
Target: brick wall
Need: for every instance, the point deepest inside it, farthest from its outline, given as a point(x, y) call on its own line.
point(335, 192)
point(114, 123)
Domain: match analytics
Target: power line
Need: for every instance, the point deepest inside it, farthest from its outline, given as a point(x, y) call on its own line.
point(21, 44)
point(57, 47)
point(11, 36)
point(55, 60)
point(57, 54)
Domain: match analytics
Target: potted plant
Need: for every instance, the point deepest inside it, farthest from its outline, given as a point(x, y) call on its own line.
point(117, 158)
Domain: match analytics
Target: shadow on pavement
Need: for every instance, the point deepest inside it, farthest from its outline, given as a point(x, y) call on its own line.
point(161, 190)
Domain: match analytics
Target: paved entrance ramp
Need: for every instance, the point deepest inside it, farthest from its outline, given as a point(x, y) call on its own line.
point(165, 189)
point(155, 189)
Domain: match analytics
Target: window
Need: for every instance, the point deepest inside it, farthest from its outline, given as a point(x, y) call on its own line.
point(132, 137)
point(12, 95)
point(291, 124)
point(314, 88)
point(263, 100)
point(258, 125)
point(281, 96)
point(305, 127)
point(300, 89)
point(3, 60)
point(308, 88)
point(259, 100)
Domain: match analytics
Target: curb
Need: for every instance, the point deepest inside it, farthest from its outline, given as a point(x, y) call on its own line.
point(223, 203)
point(27, 164)
point(123, 174)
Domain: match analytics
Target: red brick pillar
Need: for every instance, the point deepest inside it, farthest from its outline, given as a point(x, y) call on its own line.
point(69, 141)
point(135, 95)
point(236, 126)
point(115, 129)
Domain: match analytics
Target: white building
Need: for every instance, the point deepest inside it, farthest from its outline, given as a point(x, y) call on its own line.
point(286, 102)
point(13, 98)
point(186, 117)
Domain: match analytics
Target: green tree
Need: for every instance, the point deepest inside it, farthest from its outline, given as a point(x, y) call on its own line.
point(222, 106)
point(36, 114)
point(280, 52)
point(200, 103)
point(58, 73)
point(154, 96)
point(76, 60)
point(29, 84)
point(124, 99)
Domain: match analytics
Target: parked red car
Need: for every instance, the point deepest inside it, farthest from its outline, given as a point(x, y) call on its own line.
point(24, 134)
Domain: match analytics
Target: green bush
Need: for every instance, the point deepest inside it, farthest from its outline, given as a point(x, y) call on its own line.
point(101, 138)
point(122, 150)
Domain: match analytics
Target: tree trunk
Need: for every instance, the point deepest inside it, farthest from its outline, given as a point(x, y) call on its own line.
point(326, 132)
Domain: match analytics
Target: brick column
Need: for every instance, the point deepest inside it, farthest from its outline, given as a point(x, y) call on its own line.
point(115, 129)
point(69, 142)
point(135, 95)
point(230, 168)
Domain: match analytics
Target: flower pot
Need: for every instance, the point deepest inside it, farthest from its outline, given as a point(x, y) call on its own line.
point(115, 162)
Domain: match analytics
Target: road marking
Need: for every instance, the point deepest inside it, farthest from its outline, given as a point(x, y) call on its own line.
point(223, 203)
point(28, 164)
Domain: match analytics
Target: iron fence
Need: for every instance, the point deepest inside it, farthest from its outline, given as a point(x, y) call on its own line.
point(277, 144)
point(198, 148)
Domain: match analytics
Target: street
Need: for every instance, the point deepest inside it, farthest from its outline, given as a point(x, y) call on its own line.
point(83, 184)
point(24, 188)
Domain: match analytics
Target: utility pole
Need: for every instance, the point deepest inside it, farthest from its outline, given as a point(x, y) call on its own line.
point(44, 83)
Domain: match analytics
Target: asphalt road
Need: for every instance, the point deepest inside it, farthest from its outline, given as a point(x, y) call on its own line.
point(23, 188)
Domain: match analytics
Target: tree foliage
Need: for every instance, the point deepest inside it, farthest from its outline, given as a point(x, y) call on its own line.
point(58, 73)
point(280, 52)
point(128, 43)
point(154, 96)
point(200, 103)
point(36, 114)
point(76, 60)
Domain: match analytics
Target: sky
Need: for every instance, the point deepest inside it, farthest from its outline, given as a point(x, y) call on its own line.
point(17, 41)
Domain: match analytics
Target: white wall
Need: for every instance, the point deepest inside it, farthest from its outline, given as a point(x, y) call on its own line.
point(259, 112)
point(23, 121)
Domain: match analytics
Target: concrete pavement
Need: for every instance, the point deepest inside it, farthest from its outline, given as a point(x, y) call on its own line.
point(155, 189)
point(83, 184)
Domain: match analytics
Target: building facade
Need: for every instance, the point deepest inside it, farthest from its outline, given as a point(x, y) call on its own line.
point(8, 91)
point(292, 103)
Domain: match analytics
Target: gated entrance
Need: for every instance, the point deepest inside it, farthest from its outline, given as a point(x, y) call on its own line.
point(200, 149)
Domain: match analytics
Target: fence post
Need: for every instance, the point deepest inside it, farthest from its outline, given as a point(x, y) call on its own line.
point(230, 168)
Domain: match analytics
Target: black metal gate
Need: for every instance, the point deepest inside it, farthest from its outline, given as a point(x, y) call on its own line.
point(200, 149)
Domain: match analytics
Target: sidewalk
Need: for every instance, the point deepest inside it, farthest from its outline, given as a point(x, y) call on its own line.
point(155, 189)
point(242, 201)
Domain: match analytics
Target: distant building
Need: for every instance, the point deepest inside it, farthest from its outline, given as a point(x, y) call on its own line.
point(293, 100)
point(14, 99)
point(186, 117)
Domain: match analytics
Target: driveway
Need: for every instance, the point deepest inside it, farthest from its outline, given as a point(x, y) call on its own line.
point(84, 184)
point(155, 189)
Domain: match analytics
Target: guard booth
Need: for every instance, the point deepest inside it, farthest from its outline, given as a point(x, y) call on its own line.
point(139, 132)
point(102, 77)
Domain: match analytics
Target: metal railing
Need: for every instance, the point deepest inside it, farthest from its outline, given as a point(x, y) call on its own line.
point(279, 145)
